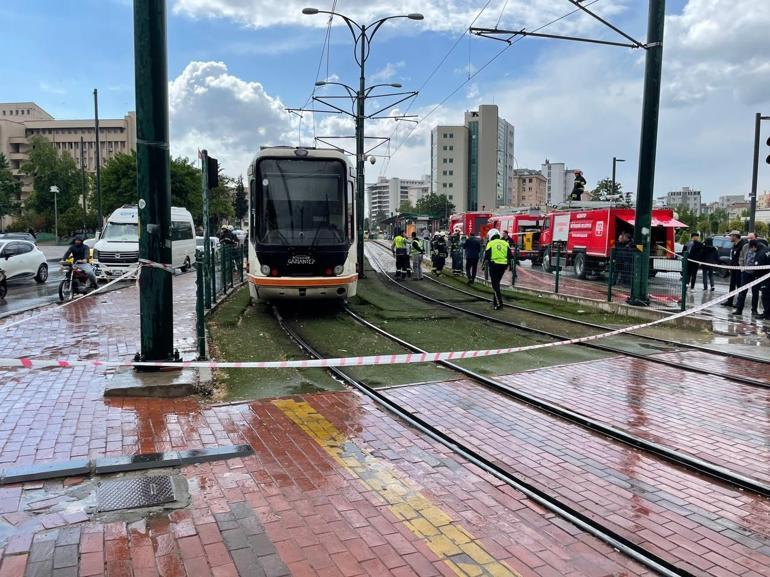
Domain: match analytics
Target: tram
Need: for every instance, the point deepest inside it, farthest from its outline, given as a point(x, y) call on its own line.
point(302, 242)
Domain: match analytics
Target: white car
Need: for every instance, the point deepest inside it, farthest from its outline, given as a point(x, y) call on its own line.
point(21, 258)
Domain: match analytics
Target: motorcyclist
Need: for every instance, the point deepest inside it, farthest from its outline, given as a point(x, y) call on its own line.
point(79, 253)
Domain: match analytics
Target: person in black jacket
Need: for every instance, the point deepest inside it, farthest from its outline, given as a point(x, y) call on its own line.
point(709, 255)
point(762, 258)
point(735, 255)
point(694, 249)
point(79, 252)
point(472, 254)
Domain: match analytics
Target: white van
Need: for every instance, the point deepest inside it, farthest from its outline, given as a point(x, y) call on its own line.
point(117, 250)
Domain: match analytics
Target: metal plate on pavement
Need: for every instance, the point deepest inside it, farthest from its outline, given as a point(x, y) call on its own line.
point(134, 493)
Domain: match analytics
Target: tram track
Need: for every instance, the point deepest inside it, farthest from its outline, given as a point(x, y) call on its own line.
point(585, 522)
point(593, 345)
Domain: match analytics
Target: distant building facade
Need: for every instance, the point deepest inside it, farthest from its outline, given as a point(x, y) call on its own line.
point(20, 121)
point(387, 194)
point(688, 197)
point(729, 199)
point(559, 181)
point(529, 188)
point(473, 164)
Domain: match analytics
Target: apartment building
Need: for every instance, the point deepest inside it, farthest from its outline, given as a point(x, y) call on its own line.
point(20, 121)
point(688, 197)
point(529, 188)
point(473, 163)
point(387, 194)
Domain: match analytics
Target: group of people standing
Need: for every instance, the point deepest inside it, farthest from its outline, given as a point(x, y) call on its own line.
point(745, 252)
point(496, 255)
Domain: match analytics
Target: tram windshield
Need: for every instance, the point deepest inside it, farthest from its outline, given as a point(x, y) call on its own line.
point(302, 201)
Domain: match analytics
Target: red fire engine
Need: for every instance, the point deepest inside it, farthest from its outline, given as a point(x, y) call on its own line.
point(469, 222)
point(524, 229)
point(585, 237)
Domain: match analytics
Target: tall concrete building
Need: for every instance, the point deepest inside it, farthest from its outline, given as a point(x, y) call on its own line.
point(688, 197)
point(473, 164)
point(20, 121)
point(529, 188)
point(387, 194)
point(727, 200)
point(559, 181)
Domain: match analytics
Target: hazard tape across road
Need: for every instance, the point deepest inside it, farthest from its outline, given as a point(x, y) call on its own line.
point(714, 265)
point(401, 359)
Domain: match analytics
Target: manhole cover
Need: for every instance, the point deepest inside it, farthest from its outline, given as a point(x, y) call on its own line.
point(133, 493)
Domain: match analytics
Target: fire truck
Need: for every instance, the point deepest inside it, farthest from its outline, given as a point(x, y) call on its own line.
point(524, 229)
point(584, 238)
point(469, 222)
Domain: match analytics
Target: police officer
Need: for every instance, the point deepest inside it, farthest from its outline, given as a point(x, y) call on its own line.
point(497, 257)
point(401, 252)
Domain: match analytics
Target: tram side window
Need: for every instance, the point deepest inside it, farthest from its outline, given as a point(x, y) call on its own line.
point(351, 226)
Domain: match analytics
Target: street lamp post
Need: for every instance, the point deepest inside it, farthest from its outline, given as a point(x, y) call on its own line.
point(614, 163)
point(55, 191)
point(362, 35)
point(755, 170)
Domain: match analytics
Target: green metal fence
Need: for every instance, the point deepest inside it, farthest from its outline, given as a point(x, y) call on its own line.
point(667, 282)
point(217, 276)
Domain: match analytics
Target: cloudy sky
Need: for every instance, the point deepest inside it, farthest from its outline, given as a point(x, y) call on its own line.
point(235, 65)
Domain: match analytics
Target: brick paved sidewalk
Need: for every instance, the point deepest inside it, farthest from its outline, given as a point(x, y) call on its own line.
point(335, 487)
point(710, 417)
point(703, 527)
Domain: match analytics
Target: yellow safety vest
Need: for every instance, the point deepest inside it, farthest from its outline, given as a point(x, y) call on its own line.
point(499, 251)
point(399, 242)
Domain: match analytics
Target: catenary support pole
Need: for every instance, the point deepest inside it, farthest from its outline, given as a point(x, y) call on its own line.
point(153, 179)
point(360, 160)
point(647, 149)
point(754, 173)
point(98, 158)
point(207, 264)
point(83, 185)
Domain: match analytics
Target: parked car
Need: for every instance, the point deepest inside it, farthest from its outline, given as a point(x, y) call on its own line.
point(21, 258)
point(18, 236)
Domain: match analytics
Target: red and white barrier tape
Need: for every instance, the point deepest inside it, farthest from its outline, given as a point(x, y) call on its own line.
point(402, 359)
point(713, 265)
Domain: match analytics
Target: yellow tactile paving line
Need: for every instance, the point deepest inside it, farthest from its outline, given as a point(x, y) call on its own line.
point(452, 544)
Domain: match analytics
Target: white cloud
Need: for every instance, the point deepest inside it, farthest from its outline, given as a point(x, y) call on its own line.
point(210, 108)
point(387, 73)
point(441, 15)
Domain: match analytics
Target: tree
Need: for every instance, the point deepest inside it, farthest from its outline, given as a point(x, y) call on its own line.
point(118, 183)
point(221, 201)
point(240, 202)
point(186, 187)
point(406, 206)
point(49, 168)
point(10, 191)
point(435, 205)
point(604, 189)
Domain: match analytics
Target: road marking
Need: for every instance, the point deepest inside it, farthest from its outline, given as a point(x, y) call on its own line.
point(462, 552)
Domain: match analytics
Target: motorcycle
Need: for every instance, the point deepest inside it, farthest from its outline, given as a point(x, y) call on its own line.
point(75, 282)
point(3, 285)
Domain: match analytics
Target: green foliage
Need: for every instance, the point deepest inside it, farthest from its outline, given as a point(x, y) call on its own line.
point(186, 187)
point(435, 205)
point(118, 183)
point(604, 189)
point(240, 202)
point(406, 206)
point(49, 168)
point(10, 190)
point(761, 228)
point(221, 202)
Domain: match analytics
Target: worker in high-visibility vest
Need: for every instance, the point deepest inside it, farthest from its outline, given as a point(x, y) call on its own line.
point(401, 252)
point(497, 258)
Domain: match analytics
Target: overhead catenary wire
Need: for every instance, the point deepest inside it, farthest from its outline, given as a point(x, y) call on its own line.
point(472, 76)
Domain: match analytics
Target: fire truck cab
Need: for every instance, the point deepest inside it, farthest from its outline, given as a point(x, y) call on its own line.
point(469, 222)
point(584, 238)
point(524, 229)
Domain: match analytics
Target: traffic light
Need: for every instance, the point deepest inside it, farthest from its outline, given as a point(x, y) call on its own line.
point(213, 172)
point(767, 160)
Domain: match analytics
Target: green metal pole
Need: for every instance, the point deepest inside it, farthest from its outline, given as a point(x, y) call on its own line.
point(647, 149)
point(611, 273)
point(685, 276)
point(206, 231)
point(558, 267)
point(213, 277)
point(153, 182)
point(199, 310)
point(515, 265)
point(223, 266)
point(243, 252)
point(360, 160)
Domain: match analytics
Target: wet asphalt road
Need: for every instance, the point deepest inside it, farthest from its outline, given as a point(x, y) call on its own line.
point(24, 293)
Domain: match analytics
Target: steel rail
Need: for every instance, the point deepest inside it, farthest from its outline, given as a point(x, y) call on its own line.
point(593, 345)
point(693, 346)
point(580, 520)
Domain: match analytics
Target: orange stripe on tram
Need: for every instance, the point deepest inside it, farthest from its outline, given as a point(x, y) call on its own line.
point(300, 281)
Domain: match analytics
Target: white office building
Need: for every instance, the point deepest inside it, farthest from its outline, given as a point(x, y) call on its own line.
point(387, 194)
point(688, 197)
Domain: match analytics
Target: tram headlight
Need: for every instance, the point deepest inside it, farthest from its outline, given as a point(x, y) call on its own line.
point(265, 269)
point(338, 269)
